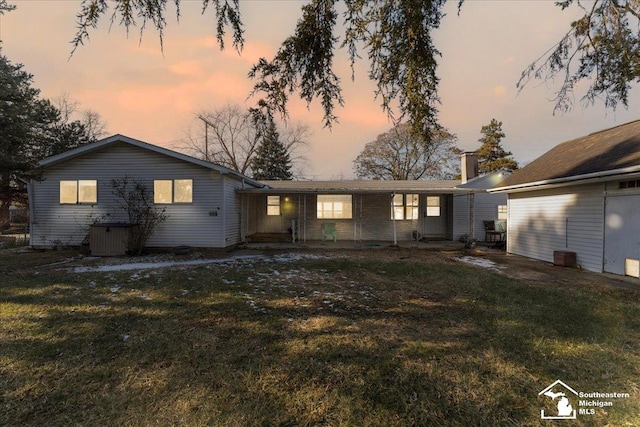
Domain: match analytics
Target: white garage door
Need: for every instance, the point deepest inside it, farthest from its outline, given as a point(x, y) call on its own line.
point(622, 235)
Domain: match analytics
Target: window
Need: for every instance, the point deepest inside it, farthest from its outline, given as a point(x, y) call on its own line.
point(502, 211)
point(273, 205)
point(405, 206)
point(183, 191)
point(173, 191)
point(433, 205)
point(334, 206)
point(629, 184)
point(78, 191)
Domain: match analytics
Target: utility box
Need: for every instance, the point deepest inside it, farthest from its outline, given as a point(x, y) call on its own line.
point(110, 238)
point(564, 258)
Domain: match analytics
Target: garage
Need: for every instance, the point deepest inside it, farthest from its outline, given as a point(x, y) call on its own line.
point(582, 197)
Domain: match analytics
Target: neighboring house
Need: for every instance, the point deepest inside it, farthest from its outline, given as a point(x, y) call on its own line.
point(582, 196)
point(75, 190)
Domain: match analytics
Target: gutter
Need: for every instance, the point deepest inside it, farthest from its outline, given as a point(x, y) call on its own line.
point(565, 181)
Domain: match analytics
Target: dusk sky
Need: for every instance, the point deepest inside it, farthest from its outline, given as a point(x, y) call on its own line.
point(151, 95)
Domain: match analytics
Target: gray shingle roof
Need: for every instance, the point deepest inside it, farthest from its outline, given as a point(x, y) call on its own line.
point(115, 139)
point(362, 186)
point(607, 150)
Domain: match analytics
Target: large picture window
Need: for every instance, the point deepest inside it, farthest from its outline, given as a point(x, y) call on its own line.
point(405, 206)
point(79, 191)
point(433, 205)
point(167, 191)
point(334, 206)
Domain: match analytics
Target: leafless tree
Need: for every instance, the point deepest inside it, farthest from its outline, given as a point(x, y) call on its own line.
point(229, 136)
point(69, 109)
point(401, 154)
point(93, 123)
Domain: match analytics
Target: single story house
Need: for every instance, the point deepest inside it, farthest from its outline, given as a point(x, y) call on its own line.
point(583, 196)
point(211, 206)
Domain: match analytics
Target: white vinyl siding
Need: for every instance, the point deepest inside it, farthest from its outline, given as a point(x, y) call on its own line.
point(570, 218)
point(485, 209)
point(198, 224)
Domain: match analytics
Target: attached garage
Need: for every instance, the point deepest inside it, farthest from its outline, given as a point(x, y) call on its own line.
point(581, 197)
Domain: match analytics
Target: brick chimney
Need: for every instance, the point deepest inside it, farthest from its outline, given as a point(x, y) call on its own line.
point(469, 165)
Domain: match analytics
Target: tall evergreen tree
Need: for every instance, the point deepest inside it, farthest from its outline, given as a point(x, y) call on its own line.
point(24, 121)
point(491, 155)
point(30, 130)
point(272, 160)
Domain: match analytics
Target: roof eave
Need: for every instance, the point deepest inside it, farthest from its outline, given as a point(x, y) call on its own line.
point(609, 175)
point(270, 190)
point(77, 152)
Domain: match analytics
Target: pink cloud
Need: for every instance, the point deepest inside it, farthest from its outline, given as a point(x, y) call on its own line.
point(187, 68)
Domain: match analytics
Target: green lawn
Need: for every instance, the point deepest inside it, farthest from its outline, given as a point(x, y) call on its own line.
point(363, 338)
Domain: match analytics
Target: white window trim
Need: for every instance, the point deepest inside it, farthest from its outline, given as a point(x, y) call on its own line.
point(272, 204)
point(332, 211)
point(405, 207)
point(93, 183)
point(172, 201)
point(432, 207)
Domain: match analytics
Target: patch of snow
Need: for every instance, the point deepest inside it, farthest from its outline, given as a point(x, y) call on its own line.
point(480, 262)
point(164, 264)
